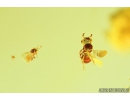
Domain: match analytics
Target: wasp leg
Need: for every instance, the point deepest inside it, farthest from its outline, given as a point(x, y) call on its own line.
point(83, 35)
point(82, 57)
point(83, 66)
point(83, 63)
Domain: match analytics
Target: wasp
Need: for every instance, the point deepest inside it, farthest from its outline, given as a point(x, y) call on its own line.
point(29, 56)
point(87, 54)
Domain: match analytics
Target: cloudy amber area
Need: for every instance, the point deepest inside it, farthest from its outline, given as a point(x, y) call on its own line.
point(58, 67)
point(119, 32)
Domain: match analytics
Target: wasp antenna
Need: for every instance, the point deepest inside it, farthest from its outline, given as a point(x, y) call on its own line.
point(91, 35)
point(83, 35)
point(39, 46)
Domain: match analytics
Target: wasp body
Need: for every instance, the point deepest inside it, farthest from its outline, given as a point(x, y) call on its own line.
point(86, 53)
point(29, 56)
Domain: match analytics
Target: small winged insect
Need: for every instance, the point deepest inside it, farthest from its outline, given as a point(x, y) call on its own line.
point(29, 56)
point(87, 54)
point(13, 57)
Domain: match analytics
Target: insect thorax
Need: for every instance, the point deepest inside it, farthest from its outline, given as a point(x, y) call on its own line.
point(33, 50)
point(88, 46)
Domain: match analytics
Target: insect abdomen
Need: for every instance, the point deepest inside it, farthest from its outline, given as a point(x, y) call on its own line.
point(84, 56)
point(86, 59)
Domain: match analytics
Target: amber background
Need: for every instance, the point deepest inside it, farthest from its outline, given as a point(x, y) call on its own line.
point(58, 67)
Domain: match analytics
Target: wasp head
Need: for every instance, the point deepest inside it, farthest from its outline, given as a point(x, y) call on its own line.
point(34, 50)
point(86, 40)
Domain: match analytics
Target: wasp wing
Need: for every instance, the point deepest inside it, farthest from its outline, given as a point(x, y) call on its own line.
point(25, 54)
point(95, 60)
point(98, 62)
point(90, 56)
point(99, 53)
point(29, 57)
